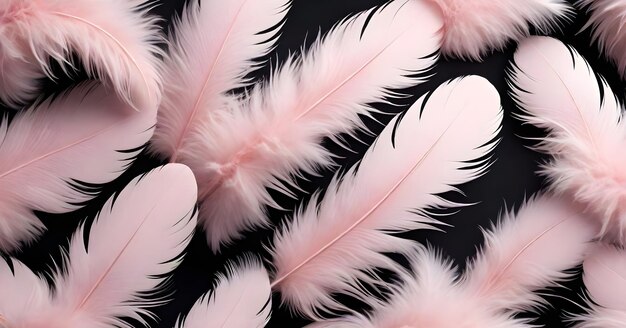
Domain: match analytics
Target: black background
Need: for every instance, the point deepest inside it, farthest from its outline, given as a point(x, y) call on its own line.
point(510, 180)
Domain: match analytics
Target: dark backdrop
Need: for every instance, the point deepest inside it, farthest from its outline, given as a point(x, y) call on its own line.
point(510, 180)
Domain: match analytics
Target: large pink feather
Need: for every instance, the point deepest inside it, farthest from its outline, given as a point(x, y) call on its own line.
point(243, 299)
point(86, 136)
point(264, 140)
point(440, 142)
point(212, 48)
point(558, 91)
point(114, 39)
point(135, 241)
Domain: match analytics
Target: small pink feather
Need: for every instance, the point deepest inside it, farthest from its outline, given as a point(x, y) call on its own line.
point(114, 39)
point(440, 142)
point(88, 135)
point(135, 241)
point(473, 28)
point(558, 91)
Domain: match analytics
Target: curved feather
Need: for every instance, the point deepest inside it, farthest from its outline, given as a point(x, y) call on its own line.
point(212, 48)
point(114, 39)
point(88, 136)
point(558, 91)
point(442, 141)
point(134, 243)
point(241, 299)
point(263, 141)
point(21, 289)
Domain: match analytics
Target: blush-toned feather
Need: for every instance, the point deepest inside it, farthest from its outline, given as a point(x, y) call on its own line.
point(606, 21)
point(240, 299)
point(114, 39)
point(88, 135)
point(212, 48)
point(473, 28)
point(442, 141)
point(22, 290)
point(558, 91)
point(134, 243)
point(605, 280)
point(263, 141)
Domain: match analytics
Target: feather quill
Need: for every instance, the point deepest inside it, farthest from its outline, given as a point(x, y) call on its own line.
point(240, 299)
point(605, 279)
point(442, 141)
point(87, 136)
point(584, 122)
point(263, 141)
point(114, 39)
point(134, 243)
point(521, 254)
point(212, 48)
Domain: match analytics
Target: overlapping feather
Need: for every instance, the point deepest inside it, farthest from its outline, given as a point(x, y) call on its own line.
point(114, 39)
point(136, 240)
point(522, 254)
point(87, 136)
point(558, 91)
point(242, 299)
point(442, 141)
point(264, 140)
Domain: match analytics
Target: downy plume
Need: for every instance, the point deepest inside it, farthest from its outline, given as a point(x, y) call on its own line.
point(522, 254)
point(263, 141)
point(442, 141)
point(213, 46)
point(240, 299)
point(558, 91)
point(136, 240)
point(49, 152)
point(114, 39)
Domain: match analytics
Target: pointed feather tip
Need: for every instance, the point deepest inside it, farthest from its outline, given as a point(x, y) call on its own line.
point(474, 28)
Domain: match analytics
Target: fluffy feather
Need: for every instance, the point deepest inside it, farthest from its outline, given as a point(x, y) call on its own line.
point(242, 299)
point(606, 21)
point(442, 141)
point(212, 48)
point(136, 240)
point(521, 254)
point(263, 141)
point(558, 91)
point(605, 279)
point(114, 39)
point(474, 27)
point(86, 136)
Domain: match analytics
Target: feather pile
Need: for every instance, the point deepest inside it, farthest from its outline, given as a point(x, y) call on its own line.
point(136, 240)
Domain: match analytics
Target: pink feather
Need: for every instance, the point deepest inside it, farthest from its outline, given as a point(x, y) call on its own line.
point(114, 39)
point(212, 48)
point(264, 140)
point(606, 21)
point(440, 142)
point(521, 254)
point(473, 28)
point(136, 240)
point(86, 136)
point(605, 279)
point(242, 299)
point(558, 91)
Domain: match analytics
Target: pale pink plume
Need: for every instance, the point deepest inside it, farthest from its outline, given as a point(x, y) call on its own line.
point(213, 46)
point(474, 28)
point(134, 243)
point(87, 136)
point(240, 299)
point(606, 21)
point(522, 254)
point(442, 141)
point(264, 140)
point(558, 91)
point(114, 39)
point(605, 280)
